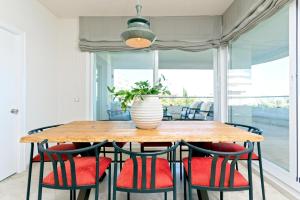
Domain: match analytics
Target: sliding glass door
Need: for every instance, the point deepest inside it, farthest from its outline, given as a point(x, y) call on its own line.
point(259, 84)
point(189, 77)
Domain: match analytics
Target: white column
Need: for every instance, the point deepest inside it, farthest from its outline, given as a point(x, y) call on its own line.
point(156, 63)
point(223, 62)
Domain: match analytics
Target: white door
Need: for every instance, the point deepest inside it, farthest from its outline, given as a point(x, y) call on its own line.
point(9, 95)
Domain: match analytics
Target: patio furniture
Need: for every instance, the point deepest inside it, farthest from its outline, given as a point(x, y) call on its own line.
point(75, 172)
point(186, 111)
point(37, 157)
point(118, 115)
point(203, 112)
point(115, 112)
point(146, 173)
point(234, 147)
point(125, 131)
point(215, 172)
point(166, 115)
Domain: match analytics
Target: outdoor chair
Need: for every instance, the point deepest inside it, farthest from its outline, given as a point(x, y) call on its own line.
point(204, 112)
point(186, 111)
point(215, 172)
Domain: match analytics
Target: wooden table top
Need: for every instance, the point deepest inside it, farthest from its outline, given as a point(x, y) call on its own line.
point(125, 131)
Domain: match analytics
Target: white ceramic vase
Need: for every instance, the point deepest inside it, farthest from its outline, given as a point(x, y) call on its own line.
point(147, 113)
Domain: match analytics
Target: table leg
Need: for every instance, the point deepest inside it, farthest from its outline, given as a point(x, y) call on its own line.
point(202, 195)
point(84, 194)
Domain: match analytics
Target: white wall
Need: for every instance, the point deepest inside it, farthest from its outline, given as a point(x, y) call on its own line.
point(40, 27)
point(72, 74)
point(56, 69)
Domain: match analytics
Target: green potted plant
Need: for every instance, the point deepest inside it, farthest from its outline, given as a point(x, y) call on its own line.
point(146, 109)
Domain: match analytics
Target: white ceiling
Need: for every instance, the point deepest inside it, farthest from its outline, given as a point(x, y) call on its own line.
point(75, 8)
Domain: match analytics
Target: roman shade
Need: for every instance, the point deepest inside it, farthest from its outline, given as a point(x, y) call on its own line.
point(194, 33)
point(243, 15)
point(188, 33)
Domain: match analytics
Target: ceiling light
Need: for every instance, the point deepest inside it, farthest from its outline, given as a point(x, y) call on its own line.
point(138, 33)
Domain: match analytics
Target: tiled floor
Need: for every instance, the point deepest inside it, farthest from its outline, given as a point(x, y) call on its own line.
point(14, 188)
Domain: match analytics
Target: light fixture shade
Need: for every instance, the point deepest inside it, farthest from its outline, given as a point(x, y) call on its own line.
point(138, 33)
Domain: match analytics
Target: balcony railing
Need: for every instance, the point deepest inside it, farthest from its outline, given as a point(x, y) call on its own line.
point(183, 101)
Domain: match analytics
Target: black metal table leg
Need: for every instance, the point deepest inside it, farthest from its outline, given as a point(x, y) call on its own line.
point(202, 195)
point(84, 194)
point(29, 171)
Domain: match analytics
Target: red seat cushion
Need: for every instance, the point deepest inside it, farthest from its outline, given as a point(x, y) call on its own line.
point(232, 147)
point(85, 169)
point(163, 175)
point(59, 147)
point(156, 144)
point(201, 172)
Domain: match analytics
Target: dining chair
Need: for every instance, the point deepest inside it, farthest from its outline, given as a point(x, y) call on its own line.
point(167, 145)
point(145, 172)
point(75, 172)
point(216, 172)
point(234, 147)
point(183, 148)
point(37, 158)
point(120, 144)
point(110, 145)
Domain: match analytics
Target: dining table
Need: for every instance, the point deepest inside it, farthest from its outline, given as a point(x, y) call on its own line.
point(126, 131)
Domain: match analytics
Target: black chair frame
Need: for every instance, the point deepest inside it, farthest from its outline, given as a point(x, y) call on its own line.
point(226, 156)
point(258, 131)
point(144, 145)
point(120, 159)
point(34, 131)
point(144, 156)
point(70, 154)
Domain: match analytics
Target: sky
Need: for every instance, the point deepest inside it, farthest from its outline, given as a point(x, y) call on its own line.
point(266, 79)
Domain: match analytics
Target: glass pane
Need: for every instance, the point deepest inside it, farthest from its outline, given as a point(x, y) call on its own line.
point(190, 79)
point(258, 84)
point(122, 70)
point(125, 78)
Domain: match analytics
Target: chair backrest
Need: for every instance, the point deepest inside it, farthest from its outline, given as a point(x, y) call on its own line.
point(59, 165)
point(144, 156)
point(34, 131)
point(251, 129)
point(38, 130)
point(196, 104)
point(225, 158)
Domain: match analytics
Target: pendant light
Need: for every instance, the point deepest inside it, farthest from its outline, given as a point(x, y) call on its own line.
point(138, 33)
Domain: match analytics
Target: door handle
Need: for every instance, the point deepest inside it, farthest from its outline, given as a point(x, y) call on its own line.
point(14, 111)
